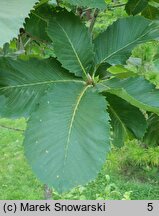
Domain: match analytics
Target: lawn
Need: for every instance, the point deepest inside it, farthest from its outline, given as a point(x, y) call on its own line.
point(120, 178)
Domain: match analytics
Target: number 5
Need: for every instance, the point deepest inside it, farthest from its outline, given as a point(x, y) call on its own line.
point(150, 206)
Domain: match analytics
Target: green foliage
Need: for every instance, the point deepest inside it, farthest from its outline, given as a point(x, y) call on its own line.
point(69, 116)
point(134, 7)
point(144, 61)
point(107, 18)
point(151, 12)
point(121, 71)
point(134, 154)
point(148, 53)
point(126, 120)
point(147, 8)
point(11, 20)
point(137, 91)
point(152, 136)
point(40, 17)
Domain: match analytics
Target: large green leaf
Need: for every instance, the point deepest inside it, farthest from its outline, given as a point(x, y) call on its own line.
point(72, 42)
point(137, 91)
point(88, 3)
point(114, 45)
point(24, 82)
point(126, 120)
point(152, 135)
point(12, 15)
point(67, 138)
point(134, 7)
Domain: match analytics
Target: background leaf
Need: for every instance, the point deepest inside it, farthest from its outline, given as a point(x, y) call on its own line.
point(40, 16)
point(12, 15)
point(72, 42)
point(114, 45)
point(152, 135)
point(61, 141)
point(134, 7)
point(151, 12)
point(24, 82)
point(127, 121)
point(120, 71)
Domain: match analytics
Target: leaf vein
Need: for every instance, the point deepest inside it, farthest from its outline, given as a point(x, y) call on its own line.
point(74, 50)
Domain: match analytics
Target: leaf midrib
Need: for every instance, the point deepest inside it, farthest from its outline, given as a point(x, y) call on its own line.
point(39, 17)
point(39, 83)
point(73, 48)
point(117, 116)
point(136, 5)
point(79, 98)
point(124, 47)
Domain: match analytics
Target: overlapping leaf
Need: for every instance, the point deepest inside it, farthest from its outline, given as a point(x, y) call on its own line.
point(137, 91)
point(36, 24)
point(152, 135)
point(114, 46)
point(12, 15)
point(72, 42)
point(68, 136)
point(134, 7)
point(126, 120)
point(151, 12)
point(88, 3)
point(22, 83)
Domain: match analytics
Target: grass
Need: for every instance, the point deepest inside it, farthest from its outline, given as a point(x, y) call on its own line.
point(119, 179)
point(17, 180)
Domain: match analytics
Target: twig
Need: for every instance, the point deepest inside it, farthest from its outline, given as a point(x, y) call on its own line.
point(10, 128)
point(96, 12)
point(115, 6)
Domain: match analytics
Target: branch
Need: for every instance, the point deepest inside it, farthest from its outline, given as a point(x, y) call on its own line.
point(95, 15)
point(116, 6)
point(11, 128)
